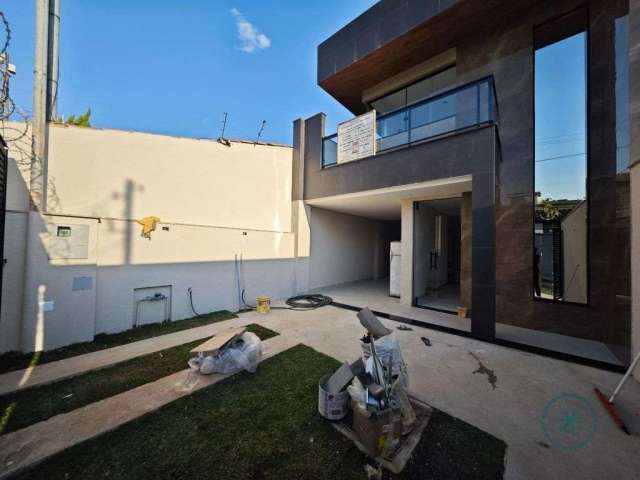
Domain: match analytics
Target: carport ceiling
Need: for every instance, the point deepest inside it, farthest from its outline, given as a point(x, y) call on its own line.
point(385, 203)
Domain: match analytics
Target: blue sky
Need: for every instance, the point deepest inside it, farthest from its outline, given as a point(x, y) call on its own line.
point(560, 108)
point(174, 67)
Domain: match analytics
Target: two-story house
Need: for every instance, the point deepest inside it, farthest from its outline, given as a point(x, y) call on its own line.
point(491, 140)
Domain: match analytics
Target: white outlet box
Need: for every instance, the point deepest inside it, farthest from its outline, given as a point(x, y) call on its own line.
point(47, 306)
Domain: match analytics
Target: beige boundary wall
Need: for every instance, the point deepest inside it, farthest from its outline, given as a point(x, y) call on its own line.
point(216, 204)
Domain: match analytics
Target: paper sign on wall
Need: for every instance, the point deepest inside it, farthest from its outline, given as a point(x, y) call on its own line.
point(357, 137)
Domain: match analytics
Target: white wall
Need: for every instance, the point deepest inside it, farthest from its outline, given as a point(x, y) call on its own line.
point(181, 180)
point(574, 239)
point(423, 245)
point(215, 203)
point(343, 248)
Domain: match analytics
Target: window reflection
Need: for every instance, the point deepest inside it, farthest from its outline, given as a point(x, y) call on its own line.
point(560, 231)
point(416, 92)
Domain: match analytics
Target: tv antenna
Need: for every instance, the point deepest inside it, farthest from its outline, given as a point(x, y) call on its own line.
point(264, 122)
point(221, 138)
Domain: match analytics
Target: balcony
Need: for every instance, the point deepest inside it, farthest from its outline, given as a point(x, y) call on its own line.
point(465, 107)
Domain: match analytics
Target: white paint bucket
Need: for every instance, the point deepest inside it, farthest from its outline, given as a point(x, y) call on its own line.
point(332, 406)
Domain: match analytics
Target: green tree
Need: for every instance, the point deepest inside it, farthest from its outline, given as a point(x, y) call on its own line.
point(83, 120)
point(549, 210)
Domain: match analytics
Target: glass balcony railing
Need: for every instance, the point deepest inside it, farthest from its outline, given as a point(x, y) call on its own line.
point(458, 109)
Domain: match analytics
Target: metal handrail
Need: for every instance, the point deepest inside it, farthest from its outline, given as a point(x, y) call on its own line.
point(447, 93)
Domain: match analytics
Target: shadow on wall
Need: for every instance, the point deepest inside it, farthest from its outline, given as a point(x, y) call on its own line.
point(85, 275)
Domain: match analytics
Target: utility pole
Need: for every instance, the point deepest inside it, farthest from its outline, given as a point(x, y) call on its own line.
point(45, 92)
point(37, 183)
point(53, 60)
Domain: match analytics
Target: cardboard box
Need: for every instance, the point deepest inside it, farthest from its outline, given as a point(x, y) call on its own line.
point(376, 430)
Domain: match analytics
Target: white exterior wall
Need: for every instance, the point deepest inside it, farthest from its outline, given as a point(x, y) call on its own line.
point(218, 203)
point(343, 248)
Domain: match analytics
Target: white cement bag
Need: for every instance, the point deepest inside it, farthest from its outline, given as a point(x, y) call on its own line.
point(244, 354)
point(388, 347)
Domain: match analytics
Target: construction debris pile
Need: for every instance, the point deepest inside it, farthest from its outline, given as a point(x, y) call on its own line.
point(228, 352)
point(369, 402)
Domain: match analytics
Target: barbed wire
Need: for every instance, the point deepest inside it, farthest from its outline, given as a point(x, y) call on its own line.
point(7, 30)
point(7, 105)
point(18, 130)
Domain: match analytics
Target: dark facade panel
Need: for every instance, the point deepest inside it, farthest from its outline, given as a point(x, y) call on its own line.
point(393, 36)
point(452, 156)
point(383, 22)
point(502, 46)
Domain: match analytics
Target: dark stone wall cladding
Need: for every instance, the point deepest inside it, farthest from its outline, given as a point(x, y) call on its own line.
point(506, 51)
point(502, 45)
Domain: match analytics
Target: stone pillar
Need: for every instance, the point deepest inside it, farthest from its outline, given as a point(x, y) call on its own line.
point(483, 245)
point(466, 217)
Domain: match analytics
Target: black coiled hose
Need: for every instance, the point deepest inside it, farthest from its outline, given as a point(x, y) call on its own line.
point(308, 302)
point(300, 302)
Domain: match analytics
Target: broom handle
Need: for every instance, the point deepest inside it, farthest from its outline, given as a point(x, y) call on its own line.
point(624, 379)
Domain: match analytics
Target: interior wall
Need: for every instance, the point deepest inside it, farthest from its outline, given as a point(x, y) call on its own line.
point(343, 248)
point(423, 244)
point(425, 277)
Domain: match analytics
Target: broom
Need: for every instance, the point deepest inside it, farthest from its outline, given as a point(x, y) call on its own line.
point(608, 402)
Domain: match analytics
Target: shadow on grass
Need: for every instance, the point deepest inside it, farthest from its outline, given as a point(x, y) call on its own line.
point(263, 425)
point(16, 361)
point(26, 407)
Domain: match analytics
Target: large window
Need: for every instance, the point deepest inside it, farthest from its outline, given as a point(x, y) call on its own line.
point(561, 140)
point(416, 92)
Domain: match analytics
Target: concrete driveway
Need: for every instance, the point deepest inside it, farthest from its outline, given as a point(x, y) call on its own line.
point(508, 393)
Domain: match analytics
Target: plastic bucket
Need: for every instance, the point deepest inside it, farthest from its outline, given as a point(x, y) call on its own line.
point(332, 406)
point(263, 304)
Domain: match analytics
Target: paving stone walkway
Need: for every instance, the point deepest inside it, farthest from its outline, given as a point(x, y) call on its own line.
point(31, 445)
point(53, 371)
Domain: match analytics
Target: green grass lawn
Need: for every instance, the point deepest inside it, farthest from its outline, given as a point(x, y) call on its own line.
point(16, 361)
point(26, 407)
point(263, 425)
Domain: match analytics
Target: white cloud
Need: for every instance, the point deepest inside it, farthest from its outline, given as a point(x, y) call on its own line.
point(252, 39)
